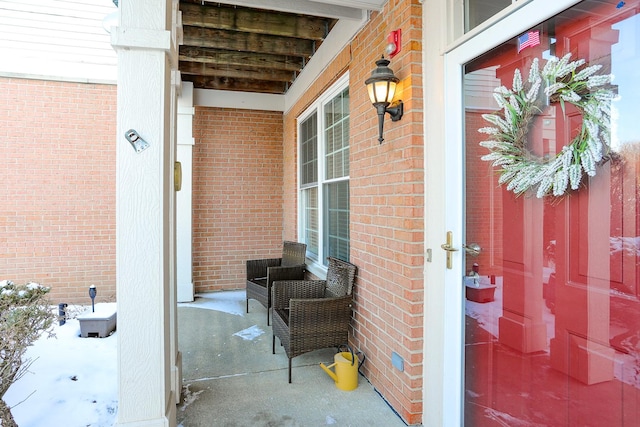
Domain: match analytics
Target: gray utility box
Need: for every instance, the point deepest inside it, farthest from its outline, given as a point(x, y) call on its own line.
point(99, 323)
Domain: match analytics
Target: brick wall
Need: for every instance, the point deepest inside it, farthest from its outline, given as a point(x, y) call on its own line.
point(57, 225)
point(237, 194)
point(387, 206)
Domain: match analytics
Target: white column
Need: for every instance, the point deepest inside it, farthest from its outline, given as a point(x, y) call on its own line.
point(145, 48)
point(176, 356)
point(176, 90)
point(184, 196)
point(441, 393)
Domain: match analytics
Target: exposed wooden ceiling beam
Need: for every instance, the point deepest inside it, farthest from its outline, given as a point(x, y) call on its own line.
point(225, 70)
point(223, 83)
point(247, 42)
point(255, 21)
point(235, 48)
point(241, 59)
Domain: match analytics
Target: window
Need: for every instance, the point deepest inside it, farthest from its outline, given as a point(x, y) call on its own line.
point(323, 140)
point(478, 11)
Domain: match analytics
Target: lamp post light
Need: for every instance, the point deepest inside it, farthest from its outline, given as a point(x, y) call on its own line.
point(92, 295)
point(62, 313)
point(382, 87)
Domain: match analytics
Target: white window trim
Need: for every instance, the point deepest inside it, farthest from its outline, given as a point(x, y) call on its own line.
point(316, 267)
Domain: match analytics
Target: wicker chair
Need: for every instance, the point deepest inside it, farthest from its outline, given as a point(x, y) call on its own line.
point(313, 314)
point(261, 273)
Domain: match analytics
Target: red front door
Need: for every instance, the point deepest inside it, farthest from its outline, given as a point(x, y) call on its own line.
point(552, 318)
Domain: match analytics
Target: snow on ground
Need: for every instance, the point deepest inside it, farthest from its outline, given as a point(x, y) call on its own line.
point(250, 333)
point(73, 381)
point(231, 302)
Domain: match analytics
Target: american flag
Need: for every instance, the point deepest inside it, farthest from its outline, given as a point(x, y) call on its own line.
point(532, 38)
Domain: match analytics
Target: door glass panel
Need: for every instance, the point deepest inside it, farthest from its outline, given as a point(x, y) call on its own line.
point(552, 318)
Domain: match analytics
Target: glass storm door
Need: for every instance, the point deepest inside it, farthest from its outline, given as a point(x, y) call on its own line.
point(552, 299)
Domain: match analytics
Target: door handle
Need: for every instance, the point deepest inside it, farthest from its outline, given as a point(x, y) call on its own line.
point(472, 249)
point(450, 249)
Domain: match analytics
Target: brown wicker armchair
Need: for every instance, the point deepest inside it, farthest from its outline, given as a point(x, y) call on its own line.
point(313, 314)
point(261, 273)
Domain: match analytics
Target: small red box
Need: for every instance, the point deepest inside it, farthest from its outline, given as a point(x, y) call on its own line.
point(482, 294)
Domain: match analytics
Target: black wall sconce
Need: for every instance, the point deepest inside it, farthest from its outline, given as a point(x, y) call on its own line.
point(382, 87)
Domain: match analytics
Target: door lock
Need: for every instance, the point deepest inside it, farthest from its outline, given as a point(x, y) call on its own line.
point(472, 249)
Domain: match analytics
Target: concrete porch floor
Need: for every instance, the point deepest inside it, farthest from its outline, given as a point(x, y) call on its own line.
point(231, 378)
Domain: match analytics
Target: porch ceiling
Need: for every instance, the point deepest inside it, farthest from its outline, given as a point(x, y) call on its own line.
point(253, 45)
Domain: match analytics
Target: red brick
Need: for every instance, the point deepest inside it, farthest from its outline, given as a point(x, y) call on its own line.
point(237, 194)
point(58, 188)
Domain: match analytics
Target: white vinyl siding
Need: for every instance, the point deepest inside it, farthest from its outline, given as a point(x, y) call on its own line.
point(63, 39)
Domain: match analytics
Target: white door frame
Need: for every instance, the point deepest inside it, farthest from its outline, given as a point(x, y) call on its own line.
point(443, 58)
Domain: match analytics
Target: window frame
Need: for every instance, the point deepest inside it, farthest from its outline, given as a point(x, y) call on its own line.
point(317, 266)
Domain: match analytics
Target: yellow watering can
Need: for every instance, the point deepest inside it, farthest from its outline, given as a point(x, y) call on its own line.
point(346, 370)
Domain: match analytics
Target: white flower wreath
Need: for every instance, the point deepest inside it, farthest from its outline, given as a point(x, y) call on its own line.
point(520, 169)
